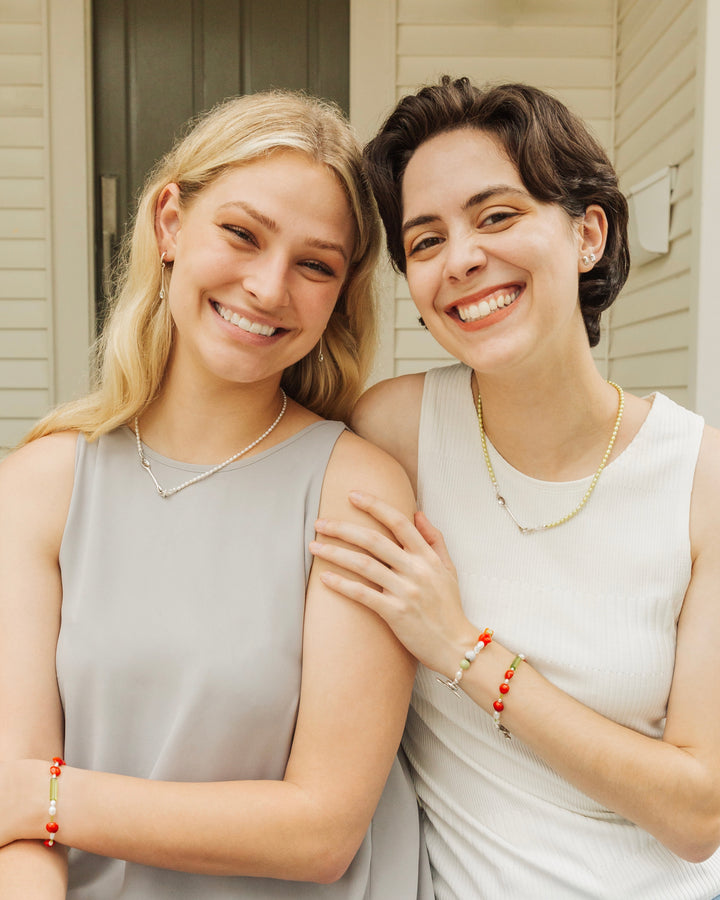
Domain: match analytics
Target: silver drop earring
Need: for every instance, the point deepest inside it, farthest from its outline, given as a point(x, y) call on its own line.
point(162, 275)
point(321, 357)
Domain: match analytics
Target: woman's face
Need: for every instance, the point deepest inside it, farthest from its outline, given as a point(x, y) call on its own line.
point(259, 258)
point(493, 271)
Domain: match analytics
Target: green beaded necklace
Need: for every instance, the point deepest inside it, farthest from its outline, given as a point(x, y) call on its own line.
point(571, 515)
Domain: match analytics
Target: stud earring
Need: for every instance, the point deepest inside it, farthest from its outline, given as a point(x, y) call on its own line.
point(592, 257)
point(162, 275)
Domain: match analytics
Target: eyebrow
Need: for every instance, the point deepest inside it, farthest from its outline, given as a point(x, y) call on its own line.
point(475, 200)
point(271, 225)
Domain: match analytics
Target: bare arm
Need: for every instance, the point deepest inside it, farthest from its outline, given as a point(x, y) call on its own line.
point(388, 415)
point(35, 488)
point(669, 787)
point(356, 683)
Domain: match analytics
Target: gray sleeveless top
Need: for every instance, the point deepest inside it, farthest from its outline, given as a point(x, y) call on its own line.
point(180, 649)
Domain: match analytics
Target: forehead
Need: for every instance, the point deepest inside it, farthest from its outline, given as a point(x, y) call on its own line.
point(455, 165)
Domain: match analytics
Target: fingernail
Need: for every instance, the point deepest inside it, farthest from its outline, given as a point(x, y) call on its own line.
point(356, 495)
point(314, 545)
point(320, 523)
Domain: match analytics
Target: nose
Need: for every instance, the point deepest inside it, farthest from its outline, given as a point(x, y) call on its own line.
point(266, 280)
point(464, 255)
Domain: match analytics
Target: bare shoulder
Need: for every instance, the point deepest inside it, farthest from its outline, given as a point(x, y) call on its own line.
point(358, 465)
point(705, 507)
point(388, 414)
point(36, 484)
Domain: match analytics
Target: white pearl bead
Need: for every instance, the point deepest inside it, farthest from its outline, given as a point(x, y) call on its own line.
point(53, 809)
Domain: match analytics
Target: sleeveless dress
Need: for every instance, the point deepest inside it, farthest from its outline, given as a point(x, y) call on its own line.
point(594, 605)
point(180, 650)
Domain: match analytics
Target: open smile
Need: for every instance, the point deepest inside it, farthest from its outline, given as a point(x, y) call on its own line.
point(243, 323)
point(490, 303)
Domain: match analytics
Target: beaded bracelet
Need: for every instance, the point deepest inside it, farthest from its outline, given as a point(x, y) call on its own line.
point(483, 640)
point(498, 705)
point(52, 825)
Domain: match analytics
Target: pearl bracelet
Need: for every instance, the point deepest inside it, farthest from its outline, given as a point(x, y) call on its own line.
point(52, 826)
point(498, 705)
point(483, 640)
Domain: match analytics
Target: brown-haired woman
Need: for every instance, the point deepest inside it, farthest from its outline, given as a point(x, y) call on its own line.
point(575, 751)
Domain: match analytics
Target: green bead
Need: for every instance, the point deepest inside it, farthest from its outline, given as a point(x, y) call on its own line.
point(53, 789)
point(465, 664)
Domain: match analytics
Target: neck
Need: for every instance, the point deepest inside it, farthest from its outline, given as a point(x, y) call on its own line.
point(198, 426)
point(553, 424)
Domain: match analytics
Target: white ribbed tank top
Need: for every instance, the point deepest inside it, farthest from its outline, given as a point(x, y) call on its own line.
point(594, 606)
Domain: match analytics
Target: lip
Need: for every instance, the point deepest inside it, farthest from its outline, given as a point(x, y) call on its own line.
point(249, 325)
point(501, 300)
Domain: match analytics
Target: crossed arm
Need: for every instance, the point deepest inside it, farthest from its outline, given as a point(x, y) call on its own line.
point(669, 787)
point(356, 683)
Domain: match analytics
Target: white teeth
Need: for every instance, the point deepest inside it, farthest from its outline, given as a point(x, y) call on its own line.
point(483, 309)
point(242, 322)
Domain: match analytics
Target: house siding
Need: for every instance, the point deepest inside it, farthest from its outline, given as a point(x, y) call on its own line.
point(25, 320)
point(651, 344)
point(561, 46)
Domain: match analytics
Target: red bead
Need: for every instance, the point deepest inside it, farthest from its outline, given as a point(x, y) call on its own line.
point(49, 843)
point(498, 706)
point(504, 688)
point(58, 760)
point(52, 827)
point(509, 674)
point(54, 770)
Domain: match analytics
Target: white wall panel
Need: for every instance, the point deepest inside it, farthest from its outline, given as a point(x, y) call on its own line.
point(25, 387)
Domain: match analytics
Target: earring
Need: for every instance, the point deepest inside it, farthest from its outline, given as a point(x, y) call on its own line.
point(162, 275)
point(587, 260)
point(592, 257)
point(321, 357)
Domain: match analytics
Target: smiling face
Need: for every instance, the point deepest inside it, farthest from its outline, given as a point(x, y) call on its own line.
point(259, 259)
point(492, 270)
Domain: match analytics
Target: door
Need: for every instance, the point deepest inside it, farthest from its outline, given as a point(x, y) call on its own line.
point(159, 62)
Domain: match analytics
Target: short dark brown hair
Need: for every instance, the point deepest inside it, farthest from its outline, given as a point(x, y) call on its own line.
point(557, 158)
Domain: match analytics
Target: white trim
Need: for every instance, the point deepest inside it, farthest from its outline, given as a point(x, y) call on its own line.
point(372, 96)
point(70, 194)
point(705, 377)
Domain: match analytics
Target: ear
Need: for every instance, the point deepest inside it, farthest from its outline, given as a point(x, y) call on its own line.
point(592, 231)
point(168, 218)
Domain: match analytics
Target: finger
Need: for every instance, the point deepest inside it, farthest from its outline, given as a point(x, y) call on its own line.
point(435, 539)
point(361, 564)
point(368, 539)
point(396, 522)
point(356, 590)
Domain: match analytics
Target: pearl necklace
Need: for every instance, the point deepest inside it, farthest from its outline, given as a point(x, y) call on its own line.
point(168, 492)
point(524, 529)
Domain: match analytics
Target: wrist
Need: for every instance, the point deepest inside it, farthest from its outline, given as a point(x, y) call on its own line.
point(465, 653)
point(32, 799)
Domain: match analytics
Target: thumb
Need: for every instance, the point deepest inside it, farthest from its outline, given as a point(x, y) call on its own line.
point(434, 539)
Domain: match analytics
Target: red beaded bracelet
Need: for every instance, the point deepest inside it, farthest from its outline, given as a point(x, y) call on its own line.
point(52, 825)
point(498, 705)
point(483, 640)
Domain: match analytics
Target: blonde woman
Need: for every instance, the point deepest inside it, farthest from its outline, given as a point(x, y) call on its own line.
point(206, 716)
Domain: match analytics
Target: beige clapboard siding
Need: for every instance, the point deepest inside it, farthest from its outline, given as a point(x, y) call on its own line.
point(505, 12)
point(562, 46)
point(25, 387)
point(651, 339)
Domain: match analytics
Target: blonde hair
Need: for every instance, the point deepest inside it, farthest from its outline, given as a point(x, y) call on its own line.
point(132, 353)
